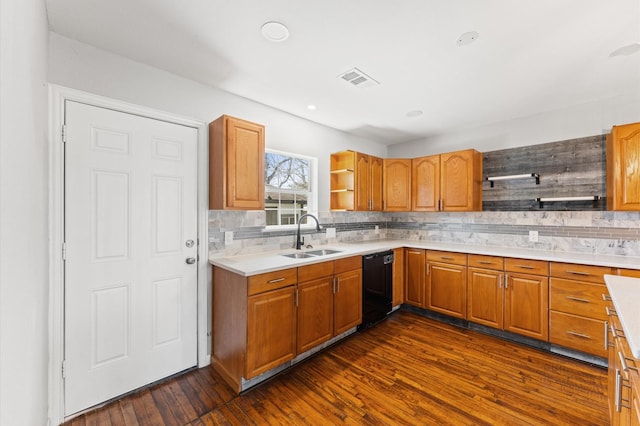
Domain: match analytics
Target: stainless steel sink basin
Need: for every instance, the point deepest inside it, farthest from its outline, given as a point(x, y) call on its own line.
point(300, 255)
point(323, 252)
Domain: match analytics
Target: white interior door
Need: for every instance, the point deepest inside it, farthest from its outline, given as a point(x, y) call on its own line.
point(130, 226)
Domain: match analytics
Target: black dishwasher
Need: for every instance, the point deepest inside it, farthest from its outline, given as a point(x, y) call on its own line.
point(377, 287)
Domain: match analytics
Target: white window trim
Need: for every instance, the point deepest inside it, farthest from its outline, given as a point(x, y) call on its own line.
point(312, 201)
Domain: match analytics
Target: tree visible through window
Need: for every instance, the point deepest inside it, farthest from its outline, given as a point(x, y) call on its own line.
point(288, 189)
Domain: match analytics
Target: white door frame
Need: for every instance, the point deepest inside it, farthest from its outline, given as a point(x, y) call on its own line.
point(57, 97)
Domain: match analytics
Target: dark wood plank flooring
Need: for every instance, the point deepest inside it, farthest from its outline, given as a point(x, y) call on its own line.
point(406, 370)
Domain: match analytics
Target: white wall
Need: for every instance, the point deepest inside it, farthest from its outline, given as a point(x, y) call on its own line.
point(23, 213)
point(80, 66)
point(593, 118)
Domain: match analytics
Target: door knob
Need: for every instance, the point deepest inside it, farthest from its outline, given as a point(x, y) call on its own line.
point(191, 260)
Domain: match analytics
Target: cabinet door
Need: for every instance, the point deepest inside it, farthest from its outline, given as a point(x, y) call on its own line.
point(376, 183)
point(398, 277)
point(527, 305)
point(347, 301)
point(363, 182)
point(271, 330)
point(397, 185)
point(447, 289)
point(315, 313)
point(623, 167)
point(245, 165)
point(425, 183)
point(414, 291)
point(461, 180)
point(486, 297)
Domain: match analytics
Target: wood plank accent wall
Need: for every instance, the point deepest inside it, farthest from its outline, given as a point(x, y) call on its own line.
point(569, 168)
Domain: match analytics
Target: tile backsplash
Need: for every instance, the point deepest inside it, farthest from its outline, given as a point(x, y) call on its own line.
point(594, 232)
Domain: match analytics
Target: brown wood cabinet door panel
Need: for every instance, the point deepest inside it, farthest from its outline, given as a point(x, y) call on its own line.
point(486, 262)
point(486, 297)
point(376, 183)
point(425, 183)
point(272, 280)
point(571, 271)
point(315, 313)
point(347, 299)
point(448, 257)
point(271, 330)
point(245, 165)
point(447, 289)
point(623, 167)
point(363, 182)
point(397, 185)
point(347, 264)
point(578, 298)
point(577, 332)
point(527, 305)
point(315, 271)
point(526, 266)
point(461, 180)
point(398, 277)
point(414, 291)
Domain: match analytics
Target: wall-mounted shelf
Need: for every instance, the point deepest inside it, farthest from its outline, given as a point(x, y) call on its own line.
point(492, 179)
point(542, 200)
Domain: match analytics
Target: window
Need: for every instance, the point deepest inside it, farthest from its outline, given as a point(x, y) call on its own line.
point(290, 187)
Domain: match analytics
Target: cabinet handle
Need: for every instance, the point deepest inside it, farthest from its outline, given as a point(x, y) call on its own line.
point(428, 264)
point(582, 336)
point(525, 266)
point(446, 257)
point(338, 285)
point(440, 208)
point(276, 280)
point(615, 331)
point(500, 281)
point(623, 363)
point(577, 299)
point(606, 336)
point(584, 274)
point(618, 397)
point(334, 285)
point(610, 312)
point(606, 297)
point(485, 262)
point(506, 281)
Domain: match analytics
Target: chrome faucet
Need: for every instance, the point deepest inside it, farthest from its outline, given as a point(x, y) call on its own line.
point(299, 241)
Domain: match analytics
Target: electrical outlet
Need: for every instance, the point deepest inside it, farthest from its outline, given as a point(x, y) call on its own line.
point(533, 236)
point(228, 237)
point(331, 233)
point(376, 230)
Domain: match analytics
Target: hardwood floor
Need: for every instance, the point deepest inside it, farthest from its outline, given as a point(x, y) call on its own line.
point(406, 370)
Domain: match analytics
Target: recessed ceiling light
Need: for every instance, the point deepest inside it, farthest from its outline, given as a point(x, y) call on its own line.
point(627, 50)
point(311, 107)
point(414, 113)
point(467, 38)
point(275, 31)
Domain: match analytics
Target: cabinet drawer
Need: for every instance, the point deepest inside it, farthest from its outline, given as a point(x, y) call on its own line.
point(576, 332)
point(528, 266)
point(447, 257)
point(487, 262)
point(578, 298)
point(317, 270)
point(272, 280)
point(628, 272)
point(592, 274)
point(348, 264)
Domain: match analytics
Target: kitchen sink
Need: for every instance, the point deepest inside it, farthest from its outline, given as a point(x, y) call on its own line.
point(300, 255)
point(323, 252)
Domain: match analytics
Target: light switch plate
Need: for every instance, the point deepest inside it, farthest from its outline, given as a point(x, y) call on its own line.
point(331, 233)
point(228, 237)
point(533, 236)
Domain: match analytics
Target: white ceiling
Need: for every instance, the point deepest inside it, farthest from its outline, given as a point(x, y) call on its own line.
point(531, 57)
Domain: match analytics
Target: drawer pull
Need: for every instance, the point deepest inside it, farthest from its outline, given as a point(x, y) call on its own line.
point(606, 297)
point(623, 363)
point(485, 262)
point(582, 336)
point(584, 274)
point(578, 299)
point(606, 336)
point(446, 257)
point(525, 266)
point(275, 280)
point(610, 312)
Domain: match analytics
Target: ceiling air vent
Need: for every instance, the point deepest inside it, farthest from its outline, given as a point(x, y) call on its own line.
point(358, 78)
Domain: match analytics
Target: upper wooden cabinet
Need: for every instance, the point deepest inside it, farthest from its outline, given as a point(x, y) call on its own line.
point(623, 167)
point(236, 164)
point(447, 182)
point(356, 181)
point(396, 184)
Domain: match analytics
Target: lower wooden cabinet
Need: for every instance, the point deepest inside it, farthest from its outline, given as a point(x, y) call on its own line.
point(485, 299)
point(271, 330)
point(447, 283)
point(347, 300)
point(398, 277)
point(315, 313)
point(526, 309)
point(415, 264)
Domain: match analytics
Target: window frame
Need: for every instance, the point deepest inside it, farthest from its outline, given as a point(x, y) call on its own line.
point(312, 198)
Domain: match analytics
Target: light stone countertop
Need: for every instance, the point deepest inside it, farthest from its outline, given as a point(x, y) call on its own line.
point(259, 263)
point(625, 293)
